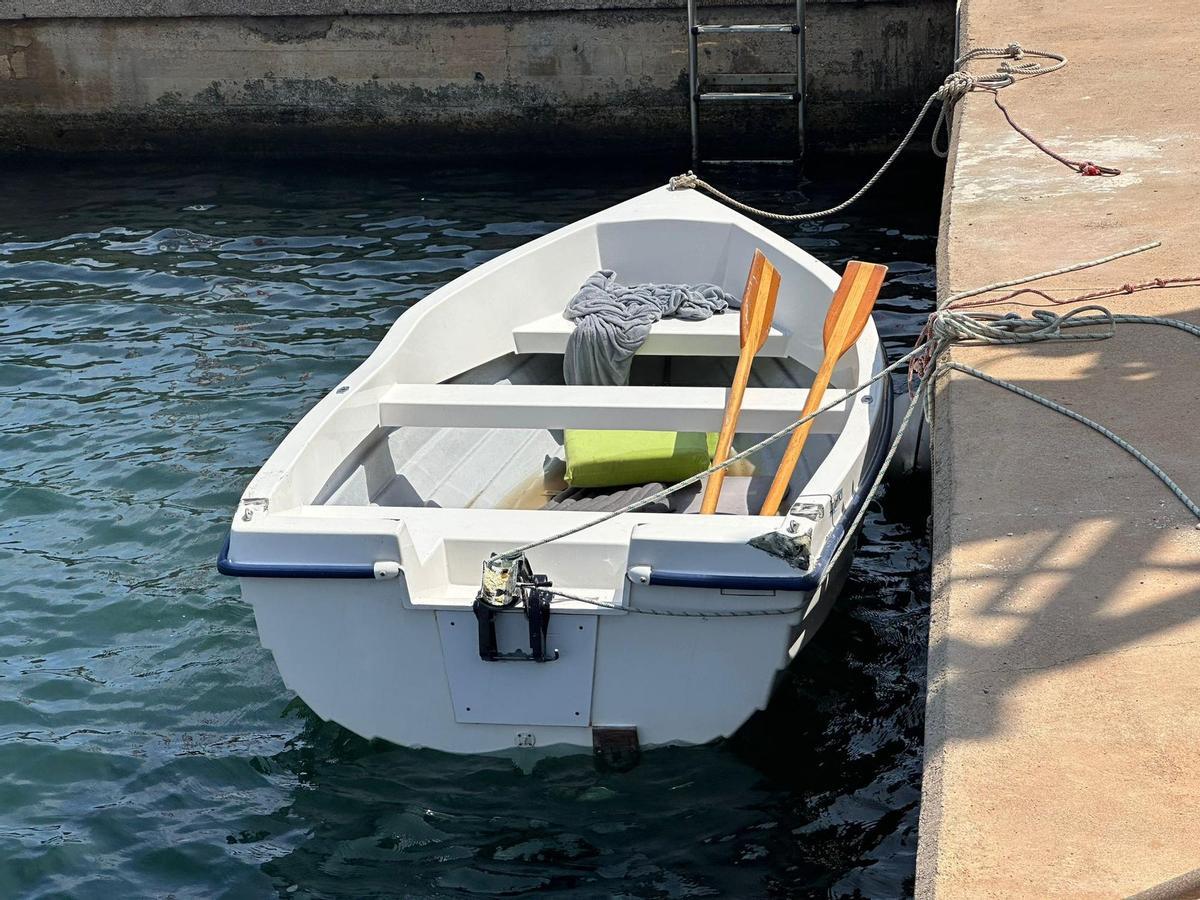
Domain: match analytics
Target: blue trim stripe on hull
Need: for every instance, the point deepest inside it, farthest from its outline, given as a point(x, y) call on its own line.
point(227, 566)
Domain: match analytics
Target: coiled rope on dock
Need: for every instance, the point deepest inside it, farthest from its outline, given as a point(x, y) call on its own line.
point(957, 85)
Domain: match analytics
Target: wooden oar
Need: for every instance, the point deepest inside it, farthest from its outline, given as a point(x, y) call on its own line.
point(758, 310)
point(847, 316)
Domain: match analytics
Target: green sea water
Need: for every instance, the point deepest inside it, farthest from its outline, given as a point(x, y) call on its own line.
point(161, 328)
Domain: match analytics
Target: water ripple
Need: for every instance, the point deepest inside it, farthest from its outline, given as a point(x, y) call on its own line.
point(160, 331)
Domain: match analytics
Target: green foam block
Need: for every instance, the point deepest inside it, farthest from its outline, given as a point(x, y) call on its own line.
point(614, 458)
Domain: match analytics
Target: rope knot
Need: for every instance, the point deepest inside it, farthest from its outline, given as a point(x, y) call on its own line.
point(1015, 51)
point(948, 325)
point(1160, 282)
point(1128, 288)
point(685, 182)
point(957, 85)
point(1089, 168)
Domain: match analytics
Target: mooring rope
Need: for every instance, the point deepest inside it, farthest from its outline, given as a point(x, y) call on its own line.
point(954, 299)
point(1086, 167)
point(847, 536)
point(904, 360)
point(1133, 451)
point(1088, 296)
point(692, 181)
point(946, 327)
point(677, 613)
point(957, 85)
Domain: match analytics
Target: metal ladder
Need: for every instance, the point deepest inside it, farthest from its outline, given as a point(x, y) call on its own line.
point(795, 96)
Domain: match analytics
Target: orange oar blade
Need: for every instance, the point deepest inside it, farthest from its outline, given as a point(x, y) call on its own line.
point(760, 326)
point(848, 313)
point(753, 279)
point(855, 298)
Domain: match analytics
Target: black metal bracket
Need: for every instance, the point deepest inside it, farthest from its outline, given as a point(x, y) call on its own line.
point(536, 603)
point(485, 616)
point(537, 613)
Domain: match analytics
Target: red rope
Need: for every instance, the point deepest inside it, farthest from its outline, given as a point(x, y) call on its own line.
point(1083, 168)
point(1127, 288)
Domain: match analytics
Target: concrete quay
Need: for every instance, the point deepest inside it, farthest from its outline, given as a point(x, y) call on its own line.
point(1063, 715)
point(456, 80)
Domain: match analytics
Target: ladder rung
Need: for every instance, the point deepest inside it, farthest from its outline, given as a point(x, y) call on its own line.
point(760, 96)
point(742, 162)
point(788, 78)
point(782, 28)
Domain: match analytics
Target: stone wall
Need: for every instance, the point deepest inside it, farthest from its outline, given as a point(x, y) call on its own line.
point(418, 79)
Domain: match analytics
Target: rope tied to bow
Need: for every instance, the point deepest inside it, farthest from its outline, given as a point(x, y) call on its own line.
point(953, 89)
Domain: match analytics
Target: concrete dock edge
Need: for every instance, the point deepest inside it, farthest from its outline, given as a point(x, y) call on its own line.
point(1063, 713)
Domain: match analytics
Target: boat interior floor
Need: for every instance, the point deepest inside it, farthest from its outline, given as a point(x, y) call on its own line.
point(455, 467)
point(741, 495)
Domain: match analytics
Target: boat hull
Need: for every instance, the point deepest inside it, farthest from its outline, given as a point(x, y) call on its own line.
point(360, 659)
point(360, 550)
point(359, 656)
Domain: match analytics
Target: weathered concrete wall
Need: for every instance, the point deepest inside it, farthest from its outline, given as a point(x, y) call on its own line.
point(468, 79)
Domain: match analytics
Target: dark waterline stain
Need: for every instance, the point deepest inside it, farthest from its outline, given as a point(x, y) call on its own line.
point(161, 329)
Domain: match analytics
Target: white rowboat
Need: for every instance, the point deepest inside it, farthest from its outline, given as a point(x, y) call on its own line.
point(360, 543)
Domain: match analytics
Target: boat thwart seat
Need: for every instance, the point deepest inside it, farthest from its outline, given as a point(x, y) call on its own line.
point(625, 407)
point(716, 336)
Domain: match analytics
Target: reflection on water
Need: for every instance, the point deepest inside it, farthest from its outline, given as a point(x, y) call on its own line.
point(160, 330)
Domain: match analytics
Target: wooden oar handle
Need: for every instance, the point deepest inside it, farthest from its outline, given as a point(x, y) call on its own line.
point(757, 313)
point(733, 408)
point(795, 444)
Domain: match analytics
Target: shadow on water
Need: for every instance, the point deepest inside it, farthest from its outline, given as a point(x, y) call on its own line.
point(161, 330)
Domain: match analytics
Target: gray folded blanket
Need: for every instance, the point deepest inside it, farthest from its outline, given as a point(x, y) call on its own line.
point(613, 320)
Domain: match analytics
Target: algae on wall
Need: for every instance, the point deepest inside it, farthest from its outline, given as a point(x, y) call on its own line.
point(465, 79)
